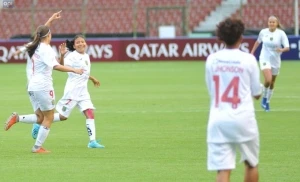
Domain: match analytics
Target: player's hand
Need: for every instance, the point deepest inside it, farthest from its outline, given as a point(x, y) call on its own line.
point(56, 15)
point(79, 71)
point(279, 50)
point(63, 49)
point(95, 82)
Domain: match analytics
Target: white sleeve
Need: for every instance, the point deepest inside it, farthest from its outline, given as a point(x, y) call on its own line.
point(256, 88)
point(208, 74)
point(260, 36)
point(23, 49)
point(284, 40)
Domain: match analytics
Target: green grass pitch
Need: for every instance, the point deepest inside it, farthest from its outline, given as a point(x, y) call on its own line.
point(152, 118)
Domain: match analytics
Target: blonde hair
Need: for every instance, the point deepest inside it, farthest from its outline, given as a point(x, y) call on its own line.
point(279, 25)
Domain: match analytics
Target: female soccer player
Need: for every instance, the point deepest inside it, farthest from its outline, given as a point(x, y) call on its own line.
point(76, 88)
point(34, 118)
point(275, 42)
point(40, 86)
point(232, 78)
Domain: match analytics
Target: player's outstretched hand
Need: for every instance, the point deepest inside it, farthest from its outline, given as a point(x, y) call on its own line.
point(79, 71)
point(62, 49)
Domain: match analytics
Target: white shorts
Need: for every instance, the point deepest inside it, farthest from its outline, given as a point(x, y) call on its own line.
point(222, 156)
point(43, 100)
point(65, 106)
point(267, 65)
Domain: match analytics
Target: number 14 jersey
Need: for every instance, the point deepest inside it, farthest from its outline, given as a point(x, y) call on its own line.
point(232, 79)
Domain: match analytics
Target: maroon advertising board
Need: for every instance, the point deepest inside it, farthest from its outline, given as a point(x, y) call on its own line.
point(134, 49)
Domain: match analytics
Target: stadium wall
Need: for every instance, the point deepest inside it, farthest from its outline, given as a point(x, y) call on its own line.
point(110, 50)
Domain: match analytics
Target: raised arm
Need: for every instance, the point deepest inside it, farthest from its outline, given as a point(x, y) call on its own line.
point(55, 16)
point(62, 52)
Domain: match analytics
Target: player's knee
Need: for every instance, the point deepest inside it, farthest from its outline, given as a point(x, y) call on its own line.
point(40, 118)
point(268, 82)
point(89, 113)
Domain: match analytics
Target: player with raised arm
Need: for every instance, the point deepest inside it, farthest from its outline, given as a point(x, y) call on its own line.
point(232, 79)
point(76, 88)
point(34, 118)
point(275, 42)
point(40, 87)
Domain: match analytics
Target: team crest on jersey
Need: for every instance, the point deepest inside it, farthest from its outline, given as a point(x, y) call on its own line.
point(64, 108)
point(271, 38)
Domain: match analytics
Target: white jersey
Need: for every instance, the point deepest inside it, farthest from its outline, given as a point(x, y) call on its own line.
point(23, 49)
point(76, 86)
point(232, 78)
point(271, 41)
point(43, 61)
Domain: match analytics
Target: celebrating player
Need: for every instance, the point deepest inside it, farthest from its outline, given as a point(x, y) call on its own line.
point(273, 38)
point(33, 118)
point(232, 79)
point(40, 87)
point(76, 89)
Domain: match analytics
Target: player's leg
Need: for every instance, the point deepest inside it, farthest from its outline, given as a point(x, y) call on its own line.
point(36, 126)
point(223, 176)
point(87, 108)
point(221, 158)
point(265, 66)
point(47, 104)
point(28, 118)
point(43, 132)
point(275, 72)
point(64, 108)
point(250, 155)
point(251, 173)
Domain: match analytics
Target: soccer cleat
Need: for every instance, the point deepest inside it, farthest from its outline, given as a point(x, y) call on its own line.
point(39, 150)
point(263, 102)
point(267, 108)
point(95, 144)
point(35, 130)
point(13, 119)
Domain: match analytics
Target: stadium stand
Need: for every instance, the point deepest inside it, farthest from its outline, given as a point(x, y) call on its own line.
point(127, 16)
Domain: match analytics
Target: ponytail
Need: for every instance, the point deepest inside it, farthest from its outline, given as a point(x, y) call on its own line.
point(70, 45)
point(41, 32)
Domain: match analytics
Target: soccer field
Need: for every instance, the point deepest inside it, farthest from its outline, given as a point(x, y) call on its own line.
point(151, 117)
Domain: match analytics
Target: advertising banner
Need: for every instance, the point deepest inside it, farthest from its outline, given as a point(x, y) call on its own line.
point(180, 49)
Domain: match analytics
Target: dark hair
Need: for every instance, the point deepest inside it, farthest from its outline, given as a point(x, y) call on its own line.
point(230, 30)
point(41, 32)
point(70, 44)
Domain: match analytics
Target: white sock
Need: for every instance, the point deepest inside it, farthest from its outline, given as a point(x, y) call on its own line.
point(29, 119)
point(42, 135)
point(269, 95)
point(265, 92)
point(56, 117)
point(91, 129)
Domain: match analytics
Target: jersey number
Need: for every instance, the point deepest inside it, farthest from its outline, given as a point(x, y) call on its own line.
point(233, 85)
